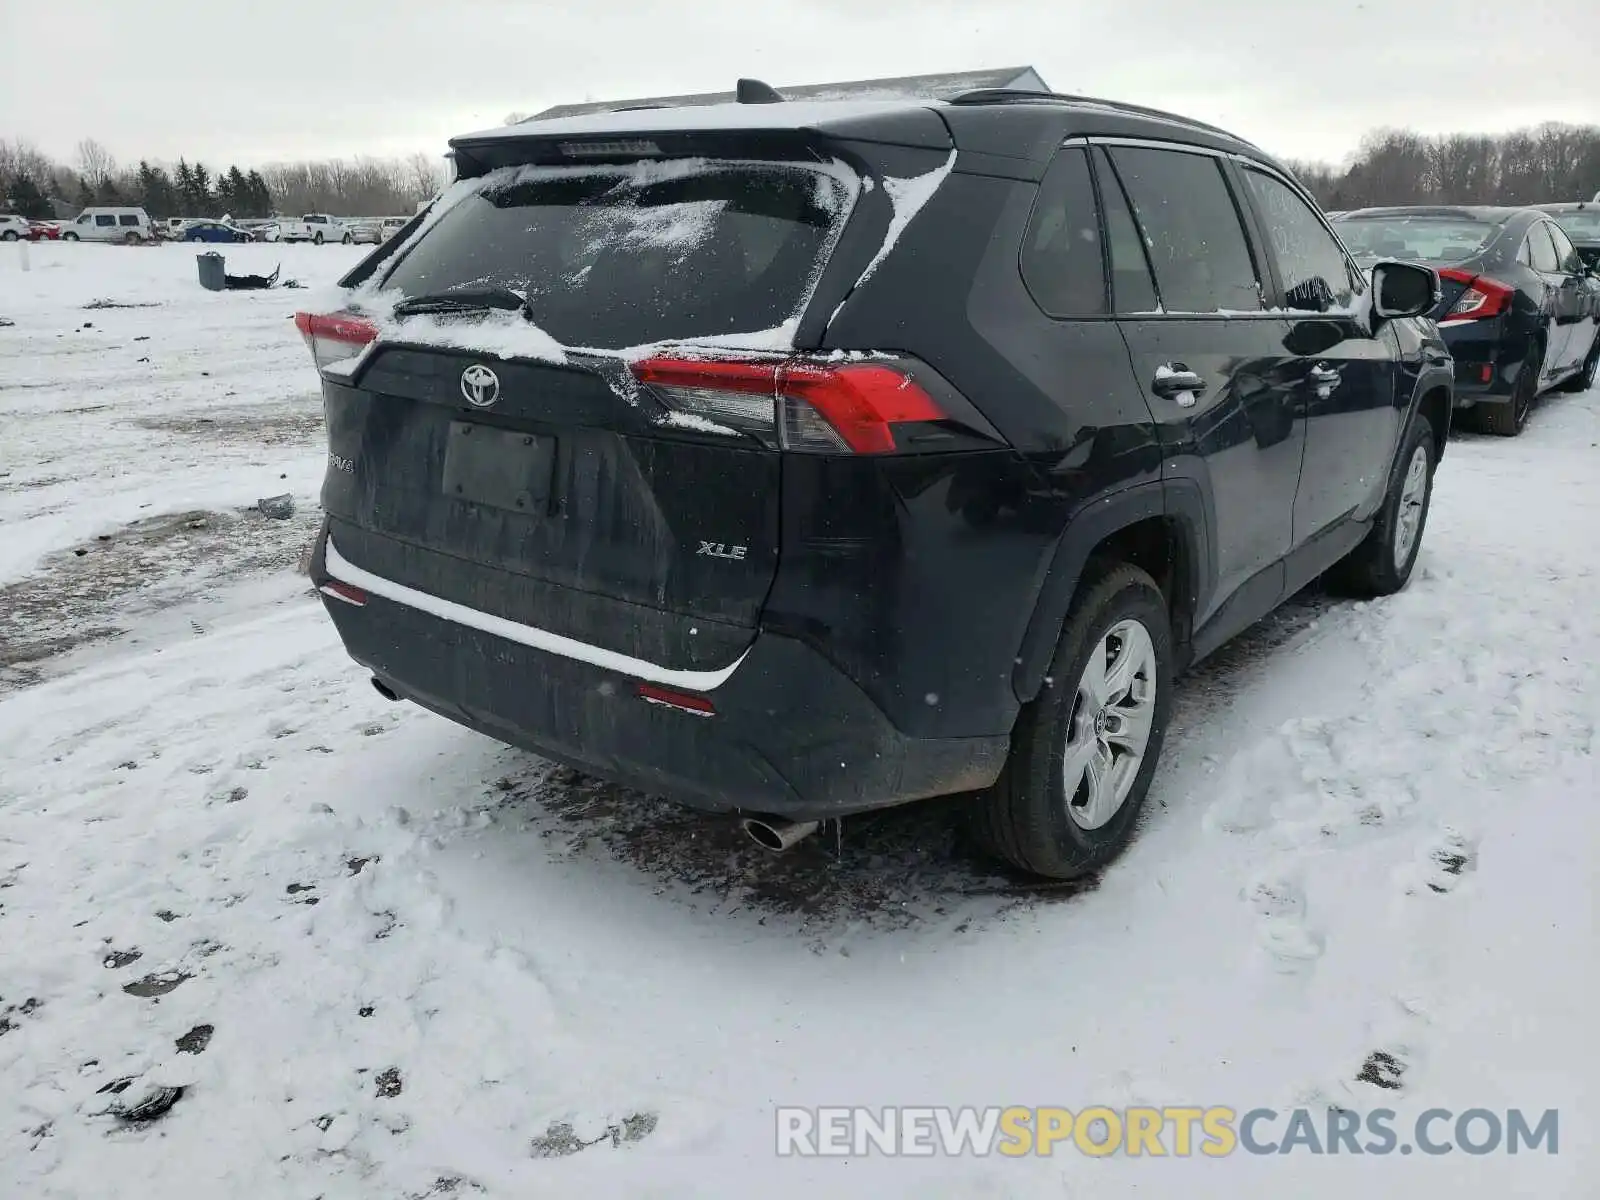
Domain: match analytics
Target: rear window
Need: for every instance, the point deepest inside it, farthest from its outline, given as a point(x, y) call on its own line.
point(1580, 226)
point(611, 257)
point(1419, 239)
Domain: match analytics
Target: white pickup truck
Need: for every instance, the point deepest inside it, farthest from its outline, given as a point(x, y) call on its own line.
point(313, 227)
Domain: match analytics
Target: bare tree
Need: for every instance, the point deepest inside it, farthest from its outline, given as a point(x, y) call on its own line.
point(95, 163)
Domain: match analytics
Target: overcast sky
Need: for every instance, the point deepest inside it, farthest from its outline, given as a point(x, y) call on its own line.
point(224, 81)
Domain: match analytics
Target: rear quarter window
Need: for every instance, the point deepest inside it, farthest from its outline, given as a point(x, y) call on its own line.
point(611, 257)
point(1063, 262)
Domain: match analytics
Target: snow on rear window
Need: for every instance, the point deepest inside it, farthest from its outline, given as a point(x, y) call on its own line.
point(611, 257)
point(1580, 226)
point(1418, 238)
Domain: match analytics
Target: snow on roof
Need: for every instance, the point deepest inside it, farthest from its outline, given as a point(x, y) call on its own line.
point(802, 114)
point(915, 87)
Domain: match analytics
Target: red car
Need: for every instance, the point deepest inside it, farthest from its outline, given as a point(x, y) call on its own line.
point(44, 231)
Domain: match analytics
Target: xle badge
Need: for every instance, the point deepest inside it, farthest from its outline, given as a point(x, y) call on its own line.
point(722, 550)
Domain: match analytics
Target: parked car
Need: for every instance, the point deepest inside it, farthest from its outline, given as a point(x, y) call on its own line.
point(391, 226)
point(269, 231)
point(44, 231)
point(313, 227)
point(361, 233)
point(1581, 223)
point(1519, 309)
point(922, 523)
point(213, 231)
point(14, 227)
point(111, 224)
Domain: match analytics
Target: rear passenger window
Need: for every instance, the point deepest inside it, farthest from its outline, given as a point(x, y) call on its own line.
point(104, 219)
point(1132, 289)
point(128, 219)
point(1062, 262)
point(1566, 254)
point(1316, 275)
point(1187, 215)
point(1542, 250)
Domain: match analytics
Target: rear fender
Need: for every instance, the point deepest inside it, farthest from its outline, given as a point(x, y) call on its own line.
point(1182, 503)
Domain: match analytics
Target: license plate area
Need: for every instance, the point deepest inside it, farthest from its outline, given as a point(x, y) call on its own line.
point(498, 468)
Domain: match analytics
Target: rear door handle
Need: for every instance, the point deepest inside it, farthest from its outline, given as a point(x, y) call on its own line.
point(1174, 380)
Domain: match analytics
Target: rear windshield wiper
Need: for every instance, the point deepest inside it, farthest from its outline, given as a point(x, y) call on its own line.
point(463, 300)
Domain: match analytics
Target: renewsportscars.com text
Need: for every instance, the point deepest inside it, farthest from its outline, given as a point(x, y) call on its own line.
point(1207, 1132)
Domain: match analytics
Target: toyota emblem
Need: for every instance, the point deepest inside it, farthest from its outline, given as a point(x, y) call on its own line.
point(480, 385)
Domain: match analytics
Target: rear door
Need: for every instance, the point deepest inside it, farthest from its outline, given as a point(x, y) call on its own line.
point(1190, 297)
point(508, 461)
point(1574, 300)
point(1546, 265)
point(1347, 376)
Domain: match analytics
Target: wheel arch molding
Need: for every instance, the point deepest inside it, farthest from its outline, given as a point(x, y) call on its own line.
point(1162, 527)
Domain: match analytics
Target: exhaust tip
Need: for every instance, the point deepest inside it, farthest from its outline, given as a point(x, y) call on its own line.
point(776, 834)
point(384, 690)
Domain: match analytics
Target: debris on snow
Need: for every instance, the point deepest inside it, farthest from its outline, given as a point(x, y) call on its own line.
point(1382, 1070)
point(152, 1104)
point(155, 985)
point(279, 508)
point(388, 1082)
point(196, 1040)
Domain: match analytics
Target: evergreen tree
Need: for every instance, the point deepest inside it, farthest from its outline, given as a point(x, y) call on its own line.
point(147, 187)
point(260, 195)
point(154, 191)
point(85, 192)
point(202, 191)
point(237, 189)
point(161, 194)
point(185, 188)
point(27, 199)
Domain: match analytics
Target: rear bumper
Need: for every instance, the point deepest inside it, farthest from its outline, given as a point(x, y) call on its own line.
point(791, 734)
point(1487, 360)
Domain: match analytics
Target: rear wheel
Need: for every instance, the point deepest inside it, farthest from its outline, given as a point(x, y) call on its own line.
point(1381, 565)
point(1507, 420)
point(1584, 379)
point(131, 239)
point(318, 238)
point(1083, 753)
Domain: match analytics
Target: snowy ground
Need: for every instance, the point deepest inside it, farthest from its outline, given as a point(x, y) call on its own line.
point(386, 957)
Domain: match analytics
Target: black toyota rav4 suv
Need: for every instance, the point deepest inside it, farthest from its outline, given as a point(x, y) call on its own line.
point(801, 459)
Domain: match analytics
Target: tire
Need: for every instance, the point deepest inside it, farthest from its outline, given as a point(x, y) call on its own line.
point(1509, 419)
point(9, 235)
point(1381, 565)
point(1584, 379)
point(318, 238)
point(191, 237)
point(69, 237)
point(1028, 818)
point(131, 239)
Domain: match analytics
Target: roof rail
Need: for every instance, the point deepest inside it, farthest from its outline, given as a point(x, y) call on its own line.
point(1021, 96)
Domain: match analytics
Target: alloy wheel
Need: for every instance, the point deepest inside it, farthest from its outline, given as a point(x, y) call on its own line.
point(1110, 726)
point(1408, 519)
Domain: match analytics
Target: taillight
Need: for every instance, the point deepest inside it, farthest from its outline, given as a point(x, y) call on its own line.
point(1483, 298)
point(814, 407)
point(334, 337)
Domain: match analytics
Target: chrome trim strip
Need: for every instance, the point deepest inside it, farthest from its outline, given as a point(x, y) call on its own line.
point(526, 635)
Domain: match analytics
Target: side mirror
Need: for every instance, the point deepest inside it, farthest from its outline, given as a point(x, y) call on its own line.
point(1404, 290)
